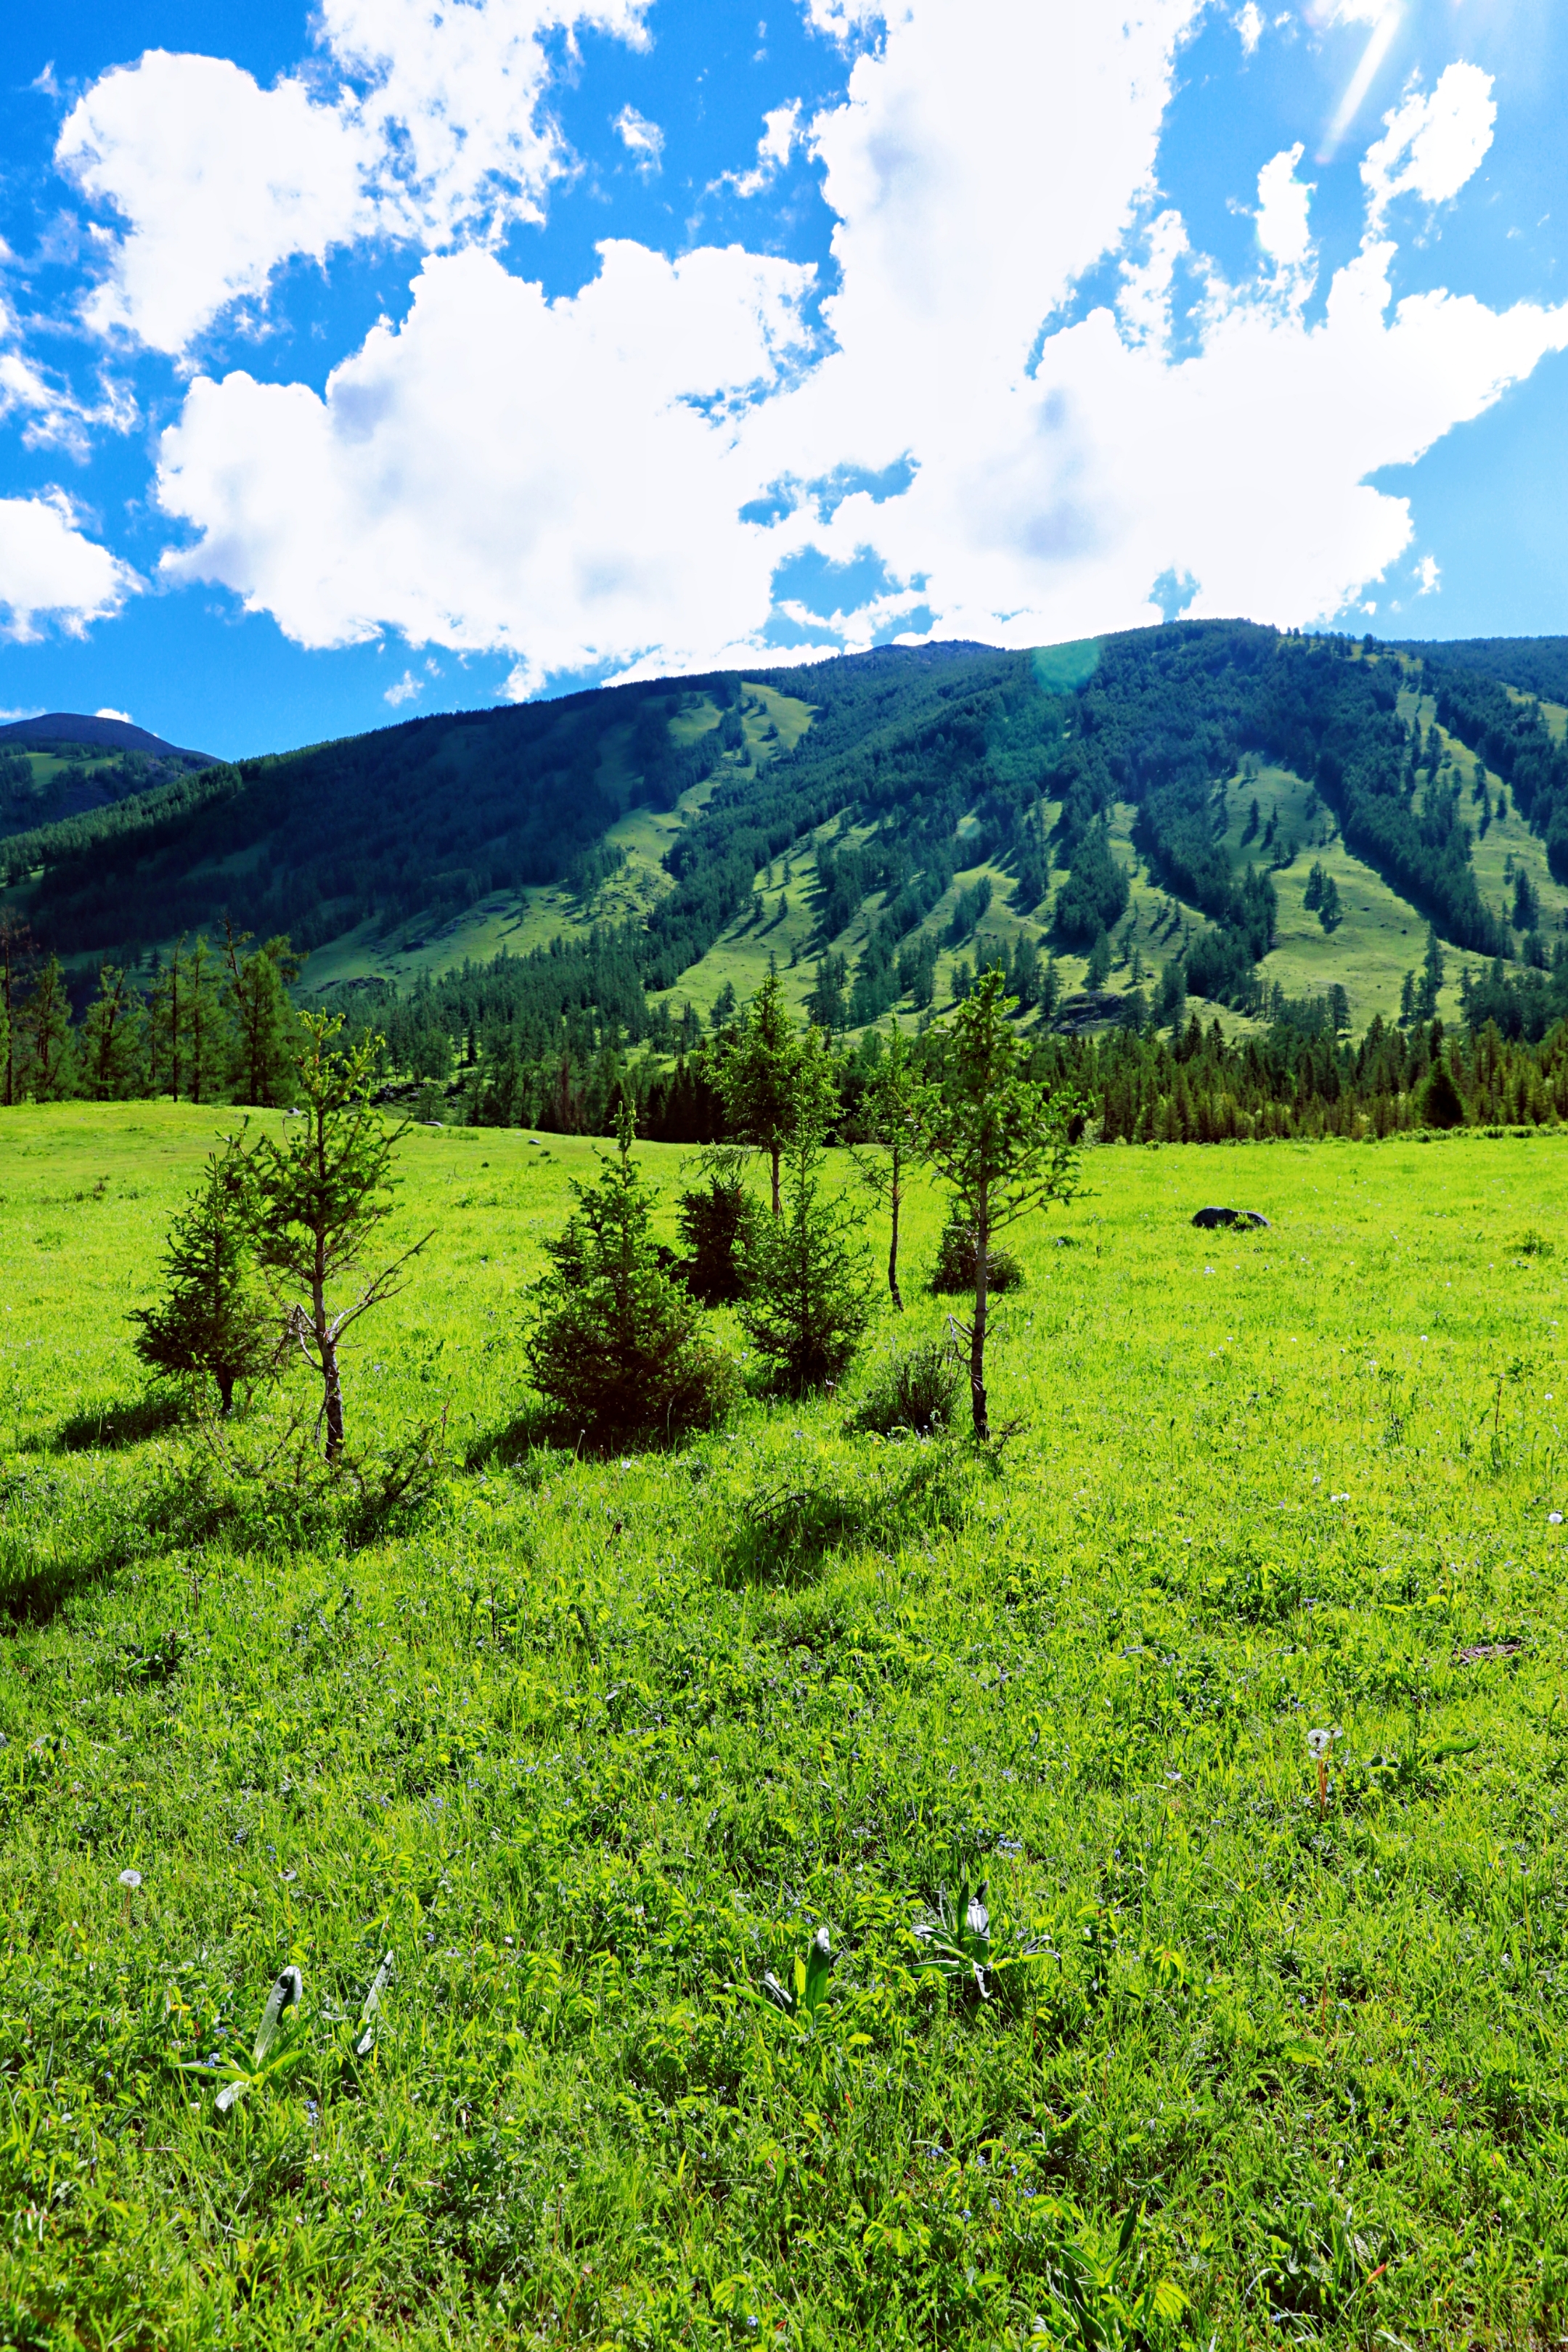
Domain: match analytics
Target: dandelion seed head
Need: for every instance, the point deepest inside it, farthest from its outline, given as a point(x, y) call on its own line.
point(131, 1879)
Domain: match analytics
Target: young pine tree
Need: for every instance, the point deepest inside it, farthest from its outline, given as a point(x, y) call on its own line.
point(809, 1282)
point(614, 1341)
point(320, 1197)
point(760, 1077)
point(16, 967)
point(213, 1321)
point(113, 1065)
point(889, 1110)
point(49, 1058)
point(998, 1141)
point(263, 1025)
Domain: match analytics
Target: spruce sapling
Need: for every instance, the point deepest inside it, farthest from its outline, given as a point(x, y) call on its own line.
point(213, 1320)
point(809, 1282)
point(320, 1196)
point(998, 1141)
point(614, 1340)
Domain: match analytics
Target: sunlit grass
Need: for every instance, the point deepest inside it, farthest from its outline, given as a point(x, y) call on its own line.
point(594, 1745)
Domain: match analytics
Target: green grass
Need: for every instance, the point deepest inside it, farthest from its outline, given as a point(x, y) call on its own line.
point(589, 1745)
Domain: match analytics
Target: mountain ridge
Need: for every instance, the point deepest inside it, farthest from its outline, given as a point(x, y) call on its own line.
point(898, 810)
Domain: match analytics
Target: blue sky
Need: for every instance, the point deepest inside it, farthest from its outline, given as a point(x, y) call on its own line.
point(407, 354)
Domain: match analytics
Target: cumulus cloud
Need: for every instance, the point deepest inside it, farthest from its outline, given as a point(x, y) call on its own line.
point(123, 715)
point(558, 480)
point(674, 467)
point(51, 571)
point(218, 181)
point(1431, 146)
point(438, 132)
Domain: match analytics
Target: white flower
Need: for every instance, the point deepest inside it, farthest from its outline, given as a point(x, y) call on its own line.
point(131, 1879)
point(1320, 1742)
point(1339, 1498)
point(1555, 1518)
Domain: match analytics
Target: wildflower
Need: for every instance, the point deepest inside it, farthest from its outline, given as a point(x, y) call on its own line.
point(1339, 1498)
point(1555, 1518)
point(131, 1880)
point(1319, 1743)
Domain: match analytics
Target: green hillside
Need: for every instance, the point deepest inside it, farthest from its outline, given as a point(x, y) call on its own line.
point(1159, 813)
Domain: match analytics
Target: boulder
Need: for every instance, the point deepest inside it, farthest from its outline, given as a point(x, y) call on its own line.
point(1251, 1217)
point(1208, 1218)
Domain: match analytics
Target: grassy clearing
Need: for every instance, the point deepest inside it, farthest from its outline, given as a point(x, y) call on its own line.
point(591, 1745)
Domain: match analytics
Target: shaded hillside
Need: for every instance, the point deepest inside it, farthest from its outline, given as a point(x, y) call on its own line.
point(64, 764)
point(1536, 665)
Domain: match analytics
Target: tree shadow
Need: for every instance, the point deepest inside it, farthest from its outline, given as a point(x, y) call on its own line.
point(107, 1428)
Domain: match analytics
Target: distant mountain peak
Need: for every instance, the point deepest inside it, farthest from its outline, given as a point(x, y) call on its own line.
point(96, 732)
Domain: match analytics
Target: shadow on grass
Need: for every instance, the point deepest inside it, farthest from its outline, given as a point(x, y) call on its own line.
point(534, 1441)
point(784, 1533)
point(107, 1428)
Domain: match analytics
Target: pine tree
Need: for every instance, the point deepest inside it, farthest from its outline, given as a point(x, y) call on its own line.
point(809, 1277)
point(213, 1321)
point(16, 965)
point(760, 1077)
point(888, 1119)
point(1431, 981)
point(614, 1340)
point(208, 1042)
point(1331, 914)
point(320, 1196)
point(49, 1061)
point(112, 1064)
point(1099, 969)
point(998, 1141)
point(263, 1028)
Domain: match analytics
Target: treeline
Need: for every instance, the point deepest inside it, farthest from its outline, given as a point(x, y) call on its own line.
point(213, 1024)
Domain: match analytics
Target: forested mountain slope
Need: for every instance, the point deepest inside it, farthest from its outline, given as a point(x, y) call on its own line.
point(1193, 802)
point(64, 763)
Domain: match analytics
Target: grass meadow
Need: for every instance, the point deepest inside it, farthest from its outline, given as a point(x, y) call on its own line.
point(590, 1745)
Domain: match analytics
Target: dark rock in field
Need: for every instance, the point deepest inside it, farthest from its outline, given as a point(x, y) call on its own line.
point(1208, 1218)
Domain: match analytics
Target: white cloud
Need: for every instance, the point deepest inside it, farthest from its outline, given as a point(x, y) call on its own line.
point(1427, 575)
point(217, 180)
point(50, 570)
point(408, 686)
point(643, 140)
point(437, 134)
point(560, 479)
point(1431, 146)
point(53, 418)
point(1250, 24)
point(564, 481)
point(123, 715)
point(1284, 208)
point(781, 132)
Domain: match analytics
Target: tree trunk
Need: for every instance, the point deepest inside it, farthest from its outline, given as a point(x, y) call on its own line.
point(977, 1329)
point(226, 1393)
point(775, 1148)
point(331, 1382)
point(894, 1198)
point(334, 1399)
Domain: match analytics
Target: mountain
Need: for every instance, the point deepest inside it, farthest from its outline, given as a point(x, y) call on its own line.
point(64, 763)
point(68, 731)
point(1208, 805)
